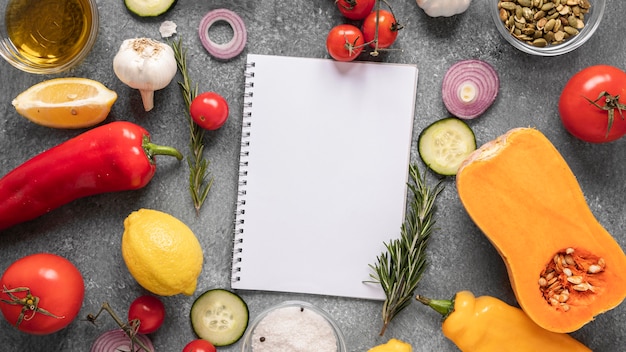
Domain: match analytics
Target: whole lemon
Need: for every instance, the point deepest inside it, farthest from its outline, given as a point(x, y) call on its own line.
point(161, 252)
point(393, 345)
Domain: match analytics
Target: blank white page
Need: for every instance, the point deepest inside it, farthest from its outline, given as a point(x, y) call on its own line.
point(324, 166)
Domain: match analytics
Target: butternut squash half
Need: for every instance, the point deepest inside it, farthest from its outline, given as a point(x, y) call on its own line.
point(564, 267)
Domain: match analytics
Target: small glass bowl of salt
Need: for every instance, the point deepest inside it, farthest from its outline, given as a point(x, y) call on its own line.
point(294, 326)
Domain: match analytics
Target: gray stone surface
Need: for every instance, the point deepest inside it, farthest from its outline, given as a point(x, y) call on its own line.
point(88, 231)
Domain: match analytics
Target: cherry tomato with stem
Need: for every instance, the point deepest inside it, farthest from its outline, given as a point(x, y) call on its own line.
point(344, 42)
point(209, 110)
point(355, 9)
point(592, 104)
point(41, 293)
point(149, 311)
point(199, 345)
point(387, 26)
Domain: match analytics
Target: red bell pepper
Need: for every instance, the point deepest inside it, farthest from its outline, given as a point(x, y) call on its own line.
point(114, 157)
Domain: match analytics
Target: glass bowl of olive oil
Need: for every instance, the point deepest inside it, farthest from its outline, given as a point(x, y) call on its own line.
point(47, 36)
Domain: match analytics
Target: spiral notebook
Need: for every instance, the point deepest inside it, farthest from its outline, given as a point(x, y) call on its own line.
point(323, 171)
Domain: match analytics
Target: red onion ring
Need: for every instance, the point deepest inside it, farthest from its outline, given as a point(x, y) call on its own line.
point(116, 340)
point(227, 50)
point(469, 88)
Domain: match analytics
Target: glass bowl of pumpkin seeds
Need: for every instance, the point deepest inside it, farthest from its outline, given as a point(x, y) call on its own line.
point(547, 27)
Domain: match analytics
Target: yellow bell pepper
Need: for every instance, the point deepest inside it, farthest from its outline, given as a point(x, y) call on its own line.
point(393, 345)
point(485, 324)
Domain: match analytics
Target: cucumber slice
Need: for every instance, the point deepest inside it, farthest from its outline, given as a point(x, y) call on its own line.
point(219, 316)
point(149, 8)
point(444, 144)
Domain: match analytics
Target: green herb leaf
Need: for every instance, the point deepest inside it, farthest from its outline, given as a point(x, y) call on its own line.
point(400, 268)
point(199, 181)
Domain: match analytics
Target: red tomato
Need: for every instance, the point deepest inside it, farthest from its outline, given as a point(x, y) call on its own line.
point(47, 292)
point(199, 346)
point(355, 9)
point(149, 311)
point(388, 29)
point(209, 110)
point(344, 42)
point(590, 104)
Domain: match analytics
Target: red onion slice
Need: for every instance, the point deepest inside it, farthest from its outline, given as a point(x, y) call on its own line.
point(116, 340)
point(469, 88)
point(227, 50)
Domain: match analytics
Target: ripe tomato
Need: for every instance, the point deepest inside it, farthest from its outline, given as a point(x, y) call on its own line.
point(209, 110)
point(199, 345)
point(591, 101)
point(388, 29)
point(355, 9)
point(149, 311)
point(344, 42)
point(41, 293)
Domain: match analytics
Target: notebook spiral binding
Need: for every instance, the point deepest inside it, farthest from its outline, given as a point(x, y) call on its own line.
point(240, 211)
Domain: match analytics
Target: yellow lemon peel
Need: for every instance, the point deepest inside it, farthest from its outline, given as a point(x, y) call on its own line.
point(393, 345)
point(161, 253)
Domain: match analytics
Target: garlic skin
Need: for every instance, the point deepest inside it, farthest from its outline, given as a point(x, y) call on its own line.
point(145, 64)
point(443, 8)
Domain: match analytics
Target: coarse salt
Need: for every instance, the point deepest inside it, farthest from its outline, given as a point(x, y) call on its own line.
point(294, 329)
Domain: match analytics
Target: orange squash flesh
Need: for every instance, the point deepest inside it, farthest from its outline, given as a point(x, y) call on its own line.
point(523, 196)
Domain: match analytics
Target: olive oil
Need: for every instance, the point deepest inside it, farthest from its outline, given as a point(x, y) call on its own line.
point(48, 32)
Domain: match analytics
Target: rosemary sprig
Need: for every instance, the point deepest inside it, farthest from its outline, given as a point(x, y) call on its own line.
point(400, 268)
point(199, 181)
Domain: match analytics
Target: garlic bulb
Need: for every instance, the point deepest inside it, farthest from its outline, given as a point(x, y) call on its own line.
point(445, 8)
point(145, 64)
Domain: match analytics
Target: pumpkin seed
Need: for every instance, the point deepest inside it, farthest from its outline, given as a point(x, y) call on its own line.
point(566, 271)
point(581, 287)
point(539, 14)
point(508, 6)
point(544, 22)
point(594, 269)
point(570, 30)
point(559, 36)
point(576, 280)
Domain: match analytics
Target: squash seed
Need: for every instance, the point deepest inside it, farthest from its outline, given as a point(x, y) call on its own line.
point(594, 269)
point(568, 270)
point(543, 22)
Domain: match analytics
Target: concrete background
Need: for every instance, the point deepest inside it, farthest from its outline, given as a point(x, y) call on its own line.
point(88, 231)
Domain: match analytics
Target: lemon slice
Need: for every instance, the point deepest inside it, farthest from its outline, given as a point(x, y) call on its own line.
point(66, 102)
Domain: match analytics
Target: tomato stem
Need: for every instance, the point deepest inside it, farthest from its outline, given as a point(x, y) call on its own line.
point(29, 303)
point(394, 27)
point(351, 4)
point(130, 328)
point(610, 104)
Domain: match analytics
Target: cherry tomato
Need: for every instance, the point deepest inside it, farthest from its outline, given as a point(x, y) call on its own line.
point(355, 9)
point(344, 42)
point(591, 101)
point(199, 345)
point(388, 29)
point(46, 291)
point(150, 312)
point(209, 110)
